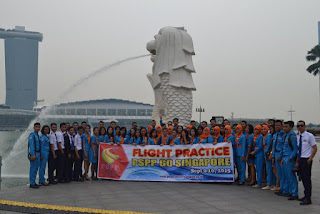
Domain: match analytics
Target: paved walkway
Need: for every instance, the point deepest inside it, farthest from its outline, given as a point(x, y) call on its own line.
point(163, 197)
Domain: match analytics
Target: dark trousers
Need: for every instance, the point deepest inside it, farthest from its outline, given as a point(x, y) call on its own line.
point(78, 165)
point(68, 168)
point(305, 174)
point(52, 166)
point(61, 165)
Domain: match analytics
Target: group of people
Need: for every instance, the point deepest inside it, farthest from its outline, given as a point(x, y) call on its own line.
point(271, 150)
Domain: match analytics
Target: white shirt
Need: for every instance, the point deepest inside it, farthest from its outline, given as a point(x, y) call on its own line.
point(60, 138)
point(78, 142)
point(308, 141)
point(53, 140)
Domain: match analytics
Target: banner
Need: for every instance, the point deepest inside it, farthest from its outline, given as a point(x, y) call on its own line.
point(192, 163)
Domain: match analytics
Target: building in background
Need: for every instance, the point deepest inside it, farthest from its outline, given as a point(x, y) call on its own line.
point(124, 112)
point(21, 64)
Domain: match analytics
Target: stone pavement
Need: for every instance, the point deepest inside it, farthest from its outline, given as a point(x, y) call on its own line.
point(165, 197)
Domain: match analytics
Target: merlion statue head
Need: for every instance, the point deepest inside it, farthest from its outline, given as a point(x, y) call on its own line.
point(172, 52)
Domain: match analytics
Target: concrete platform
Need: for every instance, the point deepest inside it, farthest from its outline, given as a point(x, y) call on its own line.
point(163, 197)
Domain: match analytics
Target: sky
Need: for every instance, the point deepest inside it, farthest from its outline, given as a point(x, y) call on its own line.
point(250, 54)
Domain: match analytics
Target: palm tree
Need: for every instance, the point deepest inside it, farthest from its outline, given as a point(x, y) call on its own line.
point(314, 55)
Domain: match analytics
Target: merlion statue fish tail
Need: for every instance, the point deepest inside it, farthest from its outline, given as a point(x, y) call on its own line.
point(171, 77)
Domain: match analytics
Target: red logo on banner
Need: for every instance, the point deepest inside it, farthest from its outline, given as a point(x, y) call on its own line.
point(113, 161)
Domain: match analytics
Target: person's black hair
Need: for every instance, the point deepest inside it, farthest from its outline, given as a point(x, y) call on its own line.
point(150, 134)
point(243, 121)
point(192, 121)
point(163, 124)
point(117, 127)
point(62, 124)
point(153, 121)
point(104, 130)
point(176, 119)
point(75, 123)
point(274, 129)
point(80, 128)
point(195, 131)
point(134, 123)
point(107, 133)
point(301, 121)
point(278, 121)
point(212, 119)
point(133, 133)
point(141, 132)
point(200, 127)
point(67, 123)
point(112, 122)
point(250, 128)
point(43, 127)
point(290, 123)
point(94, 128)
point(273, 120)
point(36, 124)
point(234, 125)
point(165, 128)
point(83, 122)
point(53, 124)
point(88, 126)
point(101, 121)
point(70, 128)
point(178, 127)
point(125, 131)
point(226, 120)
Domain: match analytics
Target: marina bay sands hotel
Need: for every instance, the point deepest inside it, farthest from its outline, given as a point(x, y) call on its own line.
point(21, 65)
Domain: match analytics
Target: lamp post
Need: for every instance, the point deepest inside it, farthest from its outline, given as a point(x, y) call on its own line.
point(200, 110)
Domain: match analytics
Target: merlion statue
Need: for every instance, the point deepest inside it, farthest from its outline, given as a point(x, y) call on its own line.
point(171, 77)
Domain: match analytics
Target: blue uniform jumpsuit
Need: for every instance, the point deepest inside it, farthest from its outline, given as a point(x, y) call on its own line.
point(93, 141)
point(278, 139)
point(241, 152)
point(249, 141)
point(152, 141)
point(34, 150)
point(259, 158)
point(45, 148)
point(267, 145)
point(108, 139)
point(87, 146)
point(289, 159)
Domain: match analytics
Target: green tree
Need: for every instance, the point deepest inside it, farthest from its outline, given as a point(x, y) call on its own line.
point(314, 55)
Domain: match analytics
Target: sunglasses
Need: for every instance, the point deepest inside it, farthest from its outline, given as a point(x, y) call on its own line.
point(300, 126)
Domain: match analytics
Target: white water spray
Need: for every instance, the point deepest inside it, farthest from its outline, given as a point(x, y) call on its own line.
point(15, 164)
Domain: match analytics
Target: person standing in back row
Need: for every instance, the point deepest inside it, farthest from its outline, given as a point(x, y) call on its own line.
point(53, 155)
point(61, 152)
point(307, 149)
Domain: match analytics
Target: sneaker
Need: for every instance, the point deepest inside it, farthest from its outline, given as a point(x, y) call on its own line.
point(266, 188)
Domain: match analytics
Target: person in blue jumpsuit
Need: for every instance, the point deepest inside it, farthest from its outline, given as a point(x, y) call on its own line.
point(259, 156)
point(93, 152)
point(174, 138)
point(250, 161)
point(86, 150)
point(34, 149)
point(153, 140)
point(45, 148)
point(216, 136)
point(109, 138)
point(122, 138)
point(289, 156)
point(194, 139)
point(205, 136)
point(267, 144)
point(241, 153)
point(278, 139)
point(136, 140)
